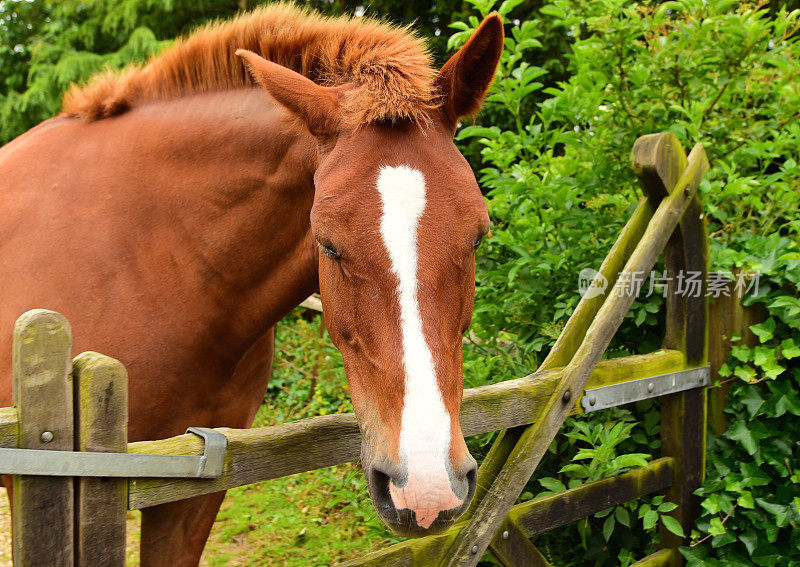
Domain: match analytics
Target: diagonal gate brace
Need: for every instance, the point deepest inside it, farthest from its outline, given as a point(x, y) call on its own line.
point(490, 512)
point(37, 462)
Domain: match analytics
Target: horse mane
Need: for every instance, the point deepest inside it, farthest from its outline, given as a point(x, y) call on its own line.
point(388, 67)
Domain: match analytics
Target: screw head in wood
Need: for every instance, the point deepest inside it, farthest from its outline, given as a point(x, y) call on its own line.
point(474, 549)
point(651, 387)
point(505, 534)
point(567, 396)
point(592, 400)
point(47, 436)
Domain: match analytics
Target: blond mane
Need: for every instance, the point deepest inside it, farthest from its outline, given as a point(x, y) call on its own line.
point(389, 67)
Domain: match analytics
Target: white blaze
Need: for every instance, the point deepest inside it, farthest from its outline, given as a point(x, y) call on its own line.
point(425, 424)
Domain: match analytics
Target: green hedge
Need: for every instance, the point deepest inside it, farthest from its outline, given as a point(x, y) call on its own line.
point(554, 163)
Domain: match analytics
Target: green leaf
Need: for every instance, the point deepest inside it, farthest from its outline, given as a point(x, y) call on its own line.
point(764, 331)
point(788, 403)
point(622, 516)
point(779, 511)
point(507, 6)
point(552, 484)
point(667, 507)
point(789, 349)
point(742, 433)
point(745, 372)
point(745, 500)
point(608, 527)
point(630, 460)
point(650, 519)
point(716, 527)
point(750, 541)
point(751, 398)
point(672, 525)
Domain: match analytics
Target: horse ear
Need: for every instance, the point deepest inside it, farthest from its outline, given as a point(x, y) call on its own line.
point(317, 106)
point(467, 75)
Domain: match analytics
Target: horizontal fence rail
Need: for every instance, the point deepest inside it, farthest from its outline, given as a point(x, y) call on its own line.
point(272, 452)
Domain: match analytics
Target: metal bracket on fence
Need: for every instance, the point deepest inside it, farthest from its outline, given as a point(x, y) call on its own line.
point(626, 392)
point(39, 462)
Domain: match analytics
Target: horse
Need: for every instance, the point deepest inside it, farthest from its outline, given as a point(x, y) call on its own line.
point(175, 212)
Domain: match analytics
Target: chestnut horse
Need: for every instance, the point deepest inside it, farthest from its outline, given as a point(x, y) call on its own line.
point(174, 213)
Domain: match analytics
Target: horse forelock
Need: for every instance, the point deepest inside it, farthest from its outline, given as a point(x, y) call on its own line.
point(388, 68)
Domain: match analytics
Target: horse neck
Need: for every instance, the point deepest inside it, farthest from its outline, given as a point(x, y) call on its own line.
point(243, 210)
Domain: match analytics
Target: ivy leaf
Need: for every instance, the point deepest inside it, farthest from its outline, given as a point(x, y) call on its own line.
point(789, 349)
point(750, 541)
point(780, 512)
point(672, 525)
point(787, 404)
point(716, 528)
point(745, 372)
point(742, 433)
point(764, 331)
point(745, 500)
point(752, 400)
point(742, 353)
point(772, 369)
point(764, 355)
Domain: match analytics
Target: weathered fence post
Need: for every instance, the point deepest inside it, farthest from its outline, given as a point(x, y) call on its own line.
point(43, 506)
point(659, 161)
point(727, 318)
point(101, 416)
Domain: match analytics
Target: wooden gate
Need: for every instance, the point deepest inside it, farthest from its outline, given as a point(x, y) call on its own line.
point(61, 521)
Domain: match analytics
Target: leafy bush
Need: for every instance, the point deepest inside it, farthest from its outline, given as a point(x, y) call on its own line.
point(752, 491)
point(555, 168)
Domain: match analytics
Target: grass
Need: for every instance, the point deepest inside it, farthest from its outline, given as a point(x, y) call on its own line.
point(316, 518)
point(321, 517)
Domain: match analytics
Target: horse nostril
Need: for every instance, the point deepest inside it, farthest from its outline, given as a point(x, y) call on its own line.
point(472, 482)
point(381, 498)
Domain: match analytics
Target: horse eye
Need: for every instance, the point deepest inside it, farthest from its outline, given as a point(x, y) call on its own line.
point(329, 251)
point(477, 243)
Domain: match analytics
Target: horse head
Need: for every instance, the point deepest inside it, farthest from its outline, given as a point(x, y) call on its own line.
point(397, 218)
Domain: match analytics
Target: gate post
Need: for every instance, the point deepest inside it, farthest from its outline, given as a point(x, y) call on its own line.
point(659, 160)
point(43, 506)
point(101, 417)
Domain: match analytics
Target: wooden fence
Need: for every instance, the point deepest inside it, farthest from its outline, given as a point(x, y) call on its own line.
point(81, 405)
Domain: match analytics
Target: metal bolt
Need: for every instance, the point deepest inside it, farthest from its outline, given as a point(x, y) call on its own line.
point(505, 534)
point(592, 401)
point(47, 436)
point(567, 396)
point(651, 387)
point(474, 549)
